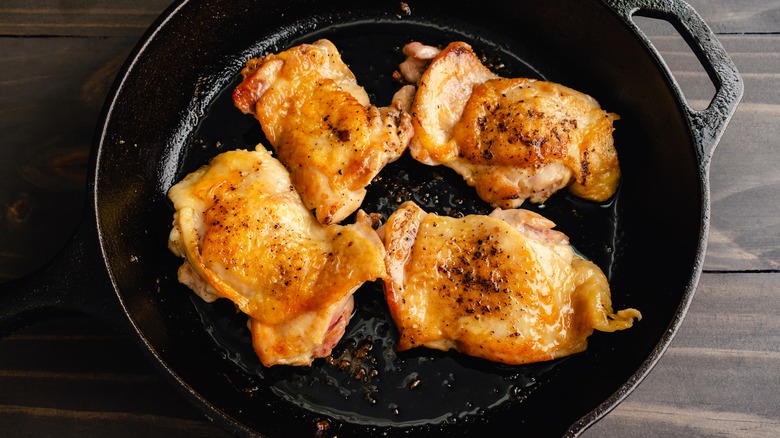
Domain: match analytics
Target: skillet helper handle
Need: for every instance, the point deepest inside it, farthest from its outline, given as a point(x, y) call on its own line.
point(75, 281)
point(707, 125)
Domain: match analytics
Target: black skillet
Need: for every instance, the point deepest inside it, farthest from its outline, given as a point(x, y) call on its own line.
point(170, 111)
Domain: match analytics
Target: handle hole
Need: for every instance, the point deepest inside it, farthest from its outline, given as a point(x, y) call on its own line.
point(696, 85)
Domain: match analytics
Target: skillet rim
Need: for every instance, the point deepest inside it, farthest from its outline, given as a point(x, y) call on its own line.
point(235, 426)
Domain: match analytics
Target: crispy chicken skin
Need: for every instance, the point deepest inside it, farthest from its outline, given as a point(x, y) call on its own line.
point(511, 138)
point(321, 125)
point(246, 236)
point(504, 287)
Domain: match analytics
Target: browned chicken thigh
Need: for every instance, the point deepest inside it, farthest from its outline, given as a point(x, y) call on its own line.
point(512, 139)
point(245, 235)
point(322, 126)
point(504, 287)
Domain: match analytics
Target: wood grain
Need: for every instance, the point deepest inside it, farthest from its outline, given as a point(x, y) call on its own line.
point(720, 374)
point(78, 17)
point(745, 229)
point(52, 92)
point(76, 377)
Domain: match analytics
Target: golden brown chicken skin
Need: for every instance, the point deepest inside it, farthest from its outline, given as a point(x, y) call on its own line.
point(504, 287)
point(322, 126)
point(246, 236)
point(511, 138)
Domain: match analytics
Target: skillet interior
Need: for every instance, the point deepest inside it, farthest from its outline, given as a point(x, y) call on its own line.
point(171, 112)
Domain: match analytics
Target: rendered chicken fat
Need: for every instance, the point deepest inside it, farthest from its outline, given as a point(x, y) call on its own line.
point(246, 236)
point(504, 287)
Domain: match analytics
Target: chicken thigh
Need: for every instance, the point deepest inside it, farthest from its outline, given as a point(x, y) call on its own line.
point(246, 236)
point(512, 139)
point(504, 287)
point(321, 125)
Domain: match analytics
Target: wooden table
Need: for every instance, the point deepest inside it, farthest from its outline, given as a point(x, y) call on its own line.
point(74, 376)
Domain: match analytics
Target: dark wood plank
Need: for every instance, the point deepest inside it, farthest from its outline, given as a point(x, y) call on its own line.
point(78, 18)
point(128, 17)
point(745, 229)
point(738, 17)
point(52, 92)
point(77, 377)
point(66, 423)
point(720, 375)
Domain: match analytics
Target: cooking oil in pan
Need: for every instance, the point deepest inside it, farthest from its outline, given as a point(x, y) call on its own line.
point(365, 381)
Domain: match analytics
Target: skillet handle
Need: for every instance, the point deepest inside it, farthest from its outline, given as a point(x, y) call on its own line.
point(75, 281)
point(707, 125)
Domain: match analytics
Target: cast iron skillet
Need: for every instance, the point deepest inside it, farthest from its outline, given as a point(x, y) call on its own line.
point(170, 111)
